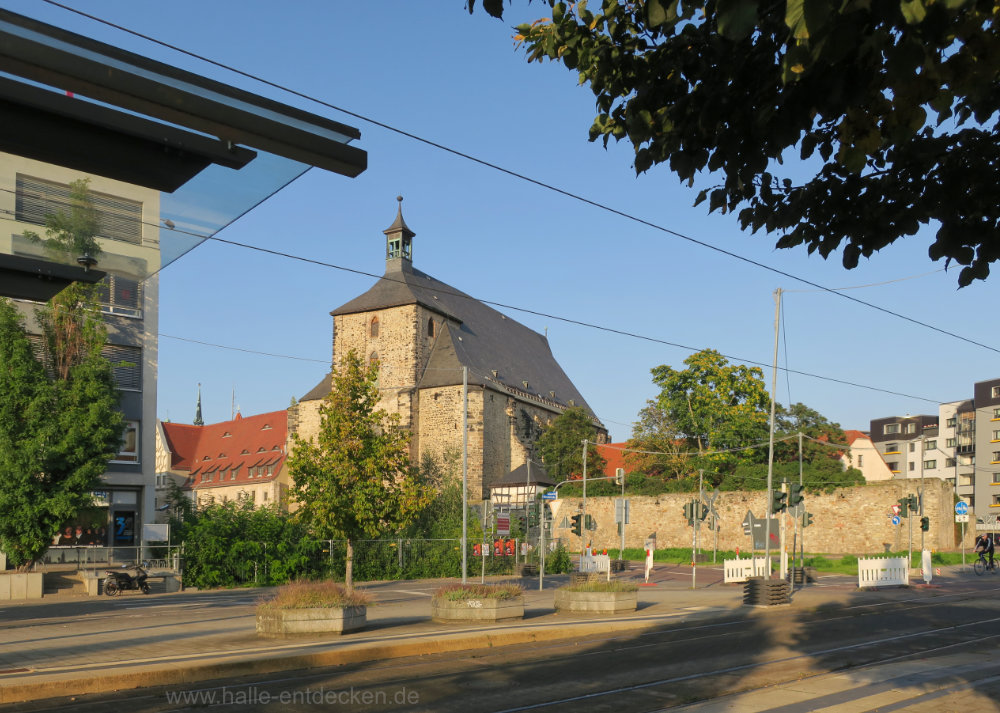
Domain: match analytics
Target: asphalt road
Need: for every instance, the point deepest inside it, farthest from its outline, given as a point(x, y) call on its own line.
point(925, 651)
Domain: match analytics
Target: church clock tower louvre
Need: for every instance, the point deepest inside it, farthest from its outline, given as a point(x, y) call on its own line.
point(422, 332)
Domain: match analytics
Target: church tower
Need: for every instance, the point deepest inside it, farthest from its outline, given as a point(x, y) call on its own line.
point(399, 243)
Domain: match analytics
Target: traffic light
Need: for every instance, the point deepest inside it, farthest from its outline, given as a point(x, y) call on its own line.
point(689, 512)
point(523, 522)
point(794, 494)
point(925, 523)
point(533, 515)
point(807, 519)
point(702, 510)
point(904, 505)
point(777, 501)
point(577, 527)
point(619, 475)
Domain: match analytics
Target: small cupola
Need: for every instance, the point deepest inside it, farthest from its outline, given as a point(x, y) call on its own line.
point(398, 243)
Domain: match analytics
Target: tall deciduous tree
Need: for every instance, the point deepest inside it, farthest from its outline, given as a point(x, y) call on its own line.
point(59, 426)
point(714, 406)
point(891, 105)
point(657, 448)
point(791, 420)
point(355, 479)
point(561, 445)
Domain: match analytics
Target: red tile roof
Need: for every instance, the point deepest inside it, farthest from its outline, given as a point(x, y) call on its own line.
point(853, 435)
point(615, 457)
point(218, 446)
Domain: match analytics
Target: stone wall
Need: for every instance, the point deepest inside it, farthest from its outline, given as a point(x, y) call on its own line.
point(847, 521)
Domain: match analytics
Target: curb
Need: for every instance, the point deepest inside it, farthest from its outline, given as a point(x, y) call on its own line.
point(56, 685)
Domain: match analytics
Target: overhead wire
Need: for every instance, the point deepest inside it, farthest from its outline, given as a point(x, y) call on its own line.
point(537, 313)
point(517, 175)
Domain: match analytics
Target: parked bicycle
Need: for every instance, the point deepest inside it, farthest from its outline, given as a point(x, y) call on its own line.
point(982, 564)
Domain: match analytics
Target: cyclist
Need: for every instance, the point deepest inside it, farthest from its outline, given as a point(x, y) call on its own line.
point(984, 544)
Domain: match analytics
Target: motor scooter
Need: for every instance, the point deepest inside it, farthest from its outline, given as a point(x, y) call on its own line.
point(119, 581)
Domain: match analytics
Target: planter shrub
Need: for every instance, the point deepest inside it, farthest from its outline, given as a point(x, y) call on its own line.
point(478, 603)
point(312, 608)
point(598, 596)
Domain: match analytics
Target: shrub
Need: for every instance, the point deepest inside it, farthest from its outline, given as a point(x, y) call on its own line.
point(461, 592)
point(314, 595)
point(558, 561)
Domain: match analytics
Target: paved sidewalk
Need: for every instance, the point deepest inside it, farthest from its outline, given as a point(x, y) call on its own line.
point(70, 645)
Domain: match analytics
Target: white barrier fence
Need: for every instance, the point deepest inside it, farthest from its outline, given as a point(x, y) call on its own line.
point(595, 563)
point(740, 570)
point(883, 572)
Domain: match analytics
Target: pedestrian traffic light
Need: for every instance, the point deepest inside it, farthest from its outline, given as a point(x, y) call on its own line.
point(777, 501)
point(577, 527)
point(807, 519)
point(794, 494)
point(925, 523)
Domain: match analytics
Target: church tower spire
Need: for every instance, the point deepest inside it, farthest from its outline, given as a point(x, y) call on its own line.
point(197, 412)
point(399, 243)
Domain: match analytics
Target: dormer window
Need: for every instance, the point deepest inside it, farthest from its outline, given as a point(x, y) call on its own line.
point(373, 328)
point(266, 427)
point(261, 449)
point(245, 452)
point(227, 434)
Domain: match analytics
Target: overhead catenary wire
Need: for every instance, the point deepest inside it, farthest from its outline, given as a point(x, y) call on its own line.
point(517, 175)
point(567, 320)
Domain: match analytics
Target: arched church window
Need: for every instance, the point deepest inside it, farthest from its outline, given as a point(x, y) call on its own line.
point(430, 327)
point(374, 327)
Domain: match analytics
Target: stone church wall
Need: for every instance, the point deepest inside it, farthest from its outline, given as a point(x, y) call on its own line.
point(847, 521)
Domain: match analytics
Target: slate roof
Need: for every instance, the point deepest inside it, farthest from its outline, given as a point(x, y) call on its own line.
point(519, 476)
point(477, 336)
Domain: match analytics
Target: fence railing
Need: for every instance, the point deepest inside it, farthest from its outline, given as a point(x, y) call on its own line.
point(91, 557)
point(883, 572)
point(740, 570)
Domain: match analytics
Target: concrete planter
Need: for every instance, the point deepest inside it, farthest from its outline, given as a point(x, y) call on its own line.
point(476, 610)
point(321, 620)
point(596, 602)
point(21, 586)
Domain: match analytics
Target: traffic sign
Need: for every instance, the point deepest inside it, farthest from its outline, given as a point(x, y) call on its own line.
point(550, 496)
point(962, 517)
point(962, 508)
point(895, 519)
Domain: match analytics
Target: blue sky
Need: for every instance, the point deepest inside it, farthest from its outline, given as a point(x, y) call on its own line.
point(432, 70)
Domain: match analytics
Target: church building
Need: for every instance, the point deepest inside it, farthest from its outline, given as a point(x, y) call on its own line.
point(423, 332)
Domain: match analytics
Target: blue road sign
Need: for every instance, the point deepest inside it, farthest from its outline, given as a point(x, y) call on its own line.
point(961, 508)
point(550, 496)
point(895, 519)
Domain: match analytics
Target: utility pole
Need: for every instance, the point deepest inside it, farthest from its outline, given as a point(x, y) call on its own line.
point(465, 475)
point(583, 520)
point(770, 446)
point(802, 516)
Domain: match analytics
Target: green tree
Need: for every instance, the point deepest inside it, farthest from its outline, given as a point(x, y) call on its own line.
point(561, 445)
point(355, 479)
point(659, 450)
point(798, 417)
point(712, 406)
point(890, 104)
point(58, 427)
point(70, 234)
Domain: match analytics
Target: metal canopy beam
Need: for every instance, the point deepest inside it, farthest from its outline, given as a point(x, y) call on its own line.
point(57, 129)
point(64, 60)
point(27, 278)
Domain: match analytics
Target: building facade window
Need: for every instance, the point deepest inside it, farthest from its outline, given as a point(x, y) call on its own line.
point(949, 462)
point(373, 328)
point(930, 464)
point(996, 435)
point(913, 466)
point(893, 466)
point(930, 445)
point(911, 428)
point(892, 448)
point(996, 499)
point(996, 392)
point(129, 450)
point(950, 423)
point(913, 447)
point(861, 460)
point(120, 295)
point(950, 443)
point(996, 413)
point(117, 218)
point(996, 478)
point(126, 363)
point(890, 428)
point(996, 456)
